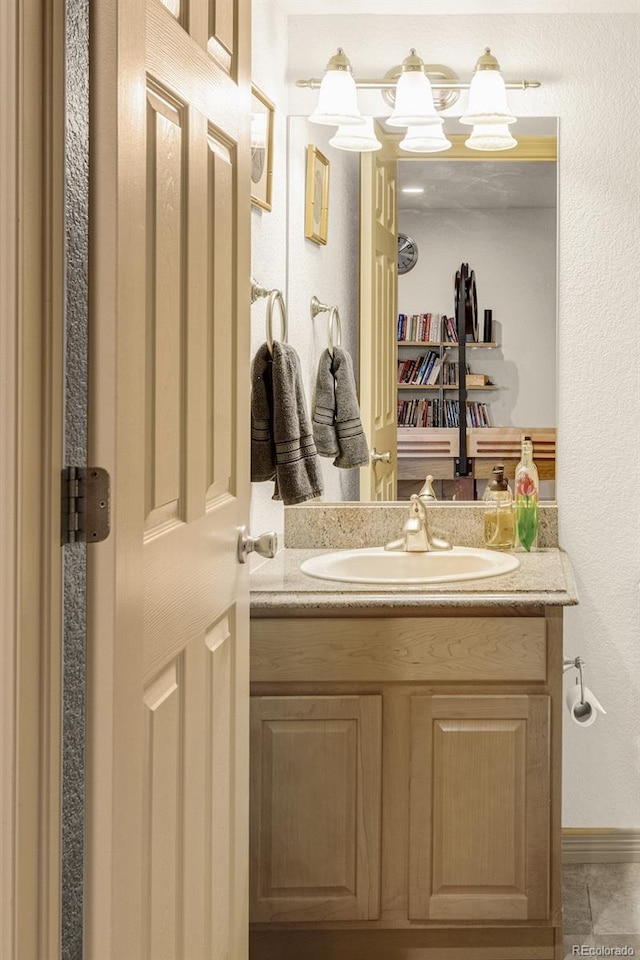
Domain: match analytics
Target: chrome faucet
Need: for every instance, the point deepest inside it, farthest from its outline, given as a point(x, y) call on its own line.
point(416, 537)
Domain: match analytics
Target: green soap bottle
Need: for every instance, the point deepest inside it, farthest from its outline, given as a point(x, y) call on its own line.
point(527, 497)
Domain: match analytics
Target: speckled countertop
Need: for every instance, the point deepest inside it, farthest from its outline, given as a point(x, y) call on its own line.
point(543, 579)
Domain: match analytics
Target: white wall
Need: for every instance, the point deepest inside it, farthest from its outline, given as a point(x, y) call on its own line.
point(598, 388)
point(282, 257)
point(513, 254)
point(329, 272)
point(269, 228)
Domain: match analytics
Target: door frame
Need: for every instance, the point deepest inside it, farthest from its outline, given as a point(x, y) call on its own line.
point(31, 379)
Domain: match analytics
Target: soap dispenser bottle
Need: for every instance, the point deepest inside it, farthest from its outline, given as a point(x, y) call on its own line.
point(527, 495)
point(499, 520)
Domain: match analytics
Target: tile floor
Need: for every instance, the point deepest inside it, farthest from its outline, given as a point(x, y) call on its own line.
point(601, 906)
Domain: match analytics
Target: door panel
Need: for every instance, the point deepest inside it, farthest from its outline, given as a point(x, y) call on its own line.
point(479, 846)
point(378, 318)
point(221, 344)
point(166, 226)
point(316, 781)
point(169, 695)
point(222, 17)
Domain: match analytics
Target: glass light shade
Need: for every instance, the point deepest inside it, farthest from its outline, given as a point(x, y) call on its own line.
point(338, 100)
point(357, 137)
point(487, 99)
point(491, 136)
point(414, 101)
point(421, 139)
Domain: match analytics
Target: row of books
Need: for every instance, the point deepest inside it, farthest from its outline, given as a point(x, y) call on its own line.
point(477, 414)
point(437, 413)
point(426, 328)
point(419, 413)
point(420, 370)
point(450, 373)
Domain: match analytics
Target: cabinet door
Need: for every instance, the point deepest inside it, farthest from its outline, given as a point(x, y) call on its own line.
point(315, 808)
point(479, 808)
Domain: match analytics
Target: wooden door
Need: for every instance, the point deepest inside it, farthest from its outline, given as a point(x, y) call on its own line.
point(378, 318)
point(167, 761)
point(479, 808)
point(316, 768)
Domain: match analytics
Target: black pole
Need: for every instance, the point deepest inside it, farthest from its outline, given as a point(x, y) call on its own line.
point(462, 463)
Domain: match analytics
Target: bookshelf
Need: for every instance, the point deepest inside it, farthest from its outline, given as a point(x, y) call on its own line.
point(434, 449)
point(436, 412)
point(448, 344)
point(448, 386)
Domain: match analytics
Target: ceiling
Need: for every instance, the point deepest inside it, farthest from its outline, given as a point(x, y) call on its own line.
point(460, 7)
point(476, 184)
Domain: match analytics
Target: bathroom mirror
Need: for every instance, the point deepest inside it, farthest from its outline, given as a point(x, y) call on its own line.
point(495, 212)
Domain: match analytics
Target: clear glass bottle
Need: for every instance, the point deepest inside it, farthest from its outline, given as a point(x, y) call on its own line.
point(527, 496)
point(499, 518)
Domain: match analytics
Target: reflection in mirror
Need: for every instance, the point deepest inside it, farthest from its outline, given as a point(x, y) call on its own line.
point(495, 213)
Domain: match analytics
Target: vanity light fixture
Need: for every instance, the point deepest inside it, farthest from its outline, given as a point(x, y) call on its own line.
point(418, 92)
point(423, 139)
point(491, 136)
point(487, 94)
point(338, 101)
point(415, 190)
point(356, 137)
point(414, 97)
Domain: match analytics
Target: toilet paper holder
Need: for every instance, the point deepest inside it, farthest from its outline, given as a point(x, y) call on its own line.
point(578, 664)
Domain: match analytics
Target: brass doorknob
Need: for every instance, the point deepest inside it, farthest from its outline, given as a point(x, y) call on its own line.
point(380, 457)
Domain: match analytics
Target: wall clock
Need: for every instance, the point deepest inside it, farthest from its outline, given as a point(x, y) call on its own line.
point(407, 253)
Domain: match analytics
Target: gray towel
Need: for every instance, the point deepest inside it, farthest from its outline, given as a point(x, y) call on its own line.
point(336, 418)
point(282, 445)
point(324, 410)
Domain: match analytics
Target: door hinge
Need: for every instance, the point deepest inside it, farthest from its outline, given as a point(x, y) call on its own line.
point(86, 509)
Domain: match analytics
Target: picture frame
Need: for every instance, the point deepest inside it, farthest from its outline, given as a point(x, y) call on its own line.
point(262, 123)
point(316, 209)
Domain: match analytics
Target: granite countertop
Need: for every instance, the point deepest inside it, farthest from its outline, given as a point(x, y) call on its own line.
point(543, 578)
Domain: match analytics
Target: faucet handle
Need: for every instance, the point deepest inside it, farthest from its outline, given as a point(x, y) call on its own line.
point(427, 492)
point(439, 543)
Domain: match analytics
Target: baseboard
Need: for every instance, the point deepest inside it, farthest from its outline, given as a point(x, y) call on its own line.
point(600, 846)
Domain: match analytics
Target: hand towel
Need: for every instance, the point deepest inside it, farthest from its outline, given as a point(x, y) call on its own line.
point(336, 417)
point(282, 444)
point(354, 449)
point(324, 409)
point(263, 456)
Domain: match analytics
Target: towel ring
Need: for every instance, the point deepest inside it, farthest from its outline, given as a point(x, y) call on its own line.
point(276, 297)
point(335, 329)
point(335, 323)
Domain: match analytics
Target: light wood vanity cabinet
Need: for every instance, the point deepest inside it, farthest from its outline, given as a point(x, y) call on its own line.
point(405, 780)
point(317, 770)
point(479, 808)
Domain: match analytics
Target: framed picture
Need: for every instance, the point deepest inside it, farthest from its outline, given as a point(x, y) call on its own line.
point(262, 117)
point(316, 208)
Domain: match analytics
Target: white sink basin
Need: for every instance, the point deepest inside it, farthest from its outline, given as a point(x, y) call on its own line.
point(377, 565)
